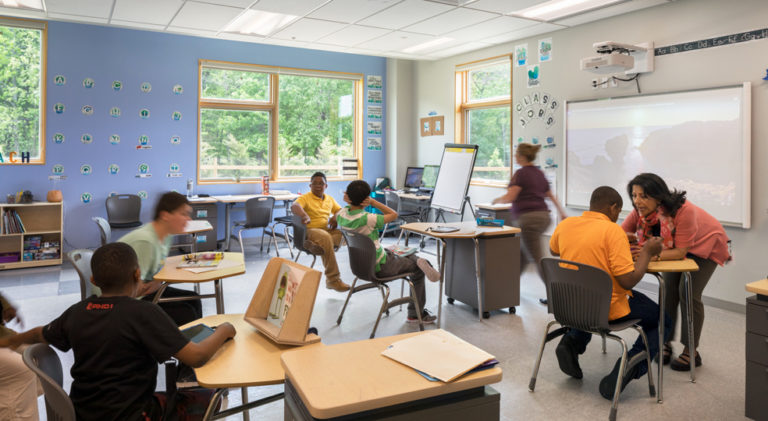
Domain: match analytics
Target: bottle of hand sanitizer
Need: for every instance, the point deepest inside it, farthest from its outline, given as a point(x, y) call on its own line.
point(189, 187)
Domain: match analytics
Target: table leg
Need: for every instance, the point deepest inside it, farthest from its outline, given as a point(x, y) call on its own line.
point(159, 292)
point(441, 265)
point(219, 296)
point(477, 276)
point(193, 250)
point(689, 311)
point(213, 404)
point(662, 291)
point(227, 224)
point(244, 397)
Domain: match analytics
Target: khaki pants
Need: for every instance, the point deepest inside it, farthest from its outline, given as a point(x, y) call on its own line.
point(532, 226)
point(328, 240)
point(18, 388)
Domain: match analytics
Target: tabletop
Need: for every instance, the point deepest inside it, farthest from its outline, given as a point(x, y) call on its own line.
point(197, 200)
point(335, 380)
point(240, 198)
point(468, 229)
point(684, 265)
point(171, 274)
point(249, 359)
point(492, 206)
point(197, 225)
point(758, 287)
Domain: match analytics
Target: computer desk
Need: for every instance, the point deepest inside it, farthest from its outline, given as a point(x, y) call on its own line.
point(498, 279)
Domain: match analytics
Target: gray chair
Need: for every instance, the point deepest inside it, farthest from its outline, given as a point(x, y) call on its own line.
point(286, 221)
point(81, 260)
point(300, 241)
point(44, 362)
point(362, 261)
point(579, 296)
point(258, 214)
point(124, 211)
point(104, 229)
point(393, 201)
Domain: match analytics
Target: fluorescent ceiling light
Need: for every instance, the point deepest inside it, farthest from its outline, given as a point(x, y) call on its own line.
point(427, 45)
point(23, 4)
point(556, 9)
point(259, 22)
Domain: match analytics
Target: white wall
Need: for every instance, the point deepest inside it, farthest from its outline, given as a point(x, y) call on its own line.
point(680, 21)
point(399, 145)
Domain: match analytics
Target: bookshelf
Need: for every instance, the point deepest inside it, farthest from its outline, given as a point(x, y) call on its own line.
point(38, 243)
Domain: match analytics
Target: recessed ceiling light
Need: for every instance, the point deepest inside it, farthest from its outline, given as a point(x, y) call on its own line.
point(259, 22)
point(427, 45)
point(556, 9)
point(23, 4)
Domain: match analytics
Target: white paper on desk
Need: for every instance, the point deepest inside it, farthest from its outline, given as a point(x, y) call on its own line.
point(223, 264)
point(497, 206)
point(438, 353)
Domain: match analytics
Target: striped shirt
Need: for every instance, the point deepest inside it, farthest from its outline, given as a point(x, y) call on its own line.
point(364, 223)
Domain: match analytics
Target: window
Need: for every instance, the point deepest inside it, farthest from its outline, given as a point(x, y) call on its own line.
point(483, 92)
point(283, 123)
point(22, 91)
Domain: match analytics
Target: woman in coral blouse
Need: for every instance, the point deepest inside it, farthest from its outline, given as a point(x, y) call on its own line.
point(686, 231)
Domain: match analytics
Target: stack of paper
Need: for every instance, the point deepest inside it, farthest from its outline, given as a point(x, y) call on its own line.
point(438, 353)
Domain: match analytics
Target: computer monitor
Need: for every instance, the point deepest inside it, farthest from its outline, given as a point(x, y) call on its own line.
point(413, 177)
point(429, 178)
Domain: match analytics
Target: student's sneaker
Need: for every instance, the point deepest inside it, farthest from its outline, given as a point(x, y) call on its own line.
point(426, 267)
point(426, 318)
point(608, 383)
point(337, 285)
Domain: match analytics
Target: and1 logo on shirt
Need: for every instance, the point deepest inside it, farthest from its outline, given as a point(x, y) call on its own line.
point(97, 306)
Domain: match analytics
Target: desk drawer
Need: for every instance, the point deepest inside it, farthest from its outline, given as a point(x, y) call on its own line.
point(756, 406)
point(757, 319)
point(757, 348)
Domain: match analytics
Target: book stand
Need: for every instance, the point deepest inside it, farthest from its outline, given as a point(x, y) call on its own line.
point(296, 323)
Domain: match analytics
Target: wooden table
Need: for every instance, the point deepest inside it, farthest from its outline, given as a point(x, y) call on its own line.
point(467, 230)
point(231, 200)
point(170, 274)
point(249, 359)
point(686, 266)
point(345, 379)
point(758, 287)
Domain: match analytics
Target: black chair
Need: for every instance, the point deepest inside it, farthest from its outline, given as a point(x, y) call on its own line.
point(300, 241)
point(124, 211)
point(579, 296)
point(286, 221)
point(393, 201)
point(258, 214)
point(44, 362)
point(81, 260)
point(104, 229)
point(362, 260)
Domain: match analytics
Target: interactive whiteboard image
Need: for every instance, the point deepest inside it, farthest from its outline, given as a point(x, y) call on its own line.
point(697, 141)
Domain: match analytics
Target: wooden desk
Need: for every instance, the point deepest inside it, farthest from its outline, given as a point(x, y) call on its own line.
point(349, 378)
point(758, 287)
point(170, 274)
point(686, 266)
point(506, 254)
point(756, 361)
point(249, 359)
point(231, 200)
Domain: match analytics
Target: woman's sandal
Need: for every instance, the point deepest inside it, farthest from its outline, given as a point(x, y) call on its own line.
point(666, 354)
point(683, 362)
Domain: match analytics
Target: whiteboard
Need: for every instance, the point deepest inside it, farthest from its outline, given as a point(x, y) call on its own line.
point(453, 177)
point(697, 141)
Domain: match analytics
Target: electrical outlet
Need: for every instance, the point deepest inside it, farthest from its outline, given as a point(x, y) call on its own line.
point(604, 82)
point(594, 83)
point(614, 83)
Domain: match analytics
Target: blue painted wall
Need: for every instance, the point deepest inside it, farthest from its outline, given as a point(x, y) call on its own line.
point(133, 57)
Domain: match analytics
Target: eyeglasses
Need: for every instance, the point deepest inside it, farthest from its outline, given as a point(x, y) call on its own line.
point(317, 184)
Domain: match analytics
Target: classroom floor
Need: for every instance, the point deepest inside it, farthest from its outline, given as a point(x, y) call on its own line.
point(43, 293)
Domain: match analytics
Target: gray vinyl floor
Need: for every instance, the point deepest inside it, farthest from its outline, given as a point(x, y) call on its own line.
point(42, 294)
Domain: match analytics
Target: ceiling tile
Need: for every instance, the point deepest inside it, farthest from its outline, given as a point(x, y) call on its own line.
point(450, 21)
point(94, 8)
point(77, 18)
point(191, 31)
point(139, 25)
point(235, 3)
point(405, 13)
point(350, 10)
point(530, 31)
point(606, 12)
point(503, 6)
point(147, 11)
point(22, 13)
point(447, 52)
point(498, 26)
point(396, 41)
point(289, 7)
point(308, 29)
point(205, 16)
point(353, 35)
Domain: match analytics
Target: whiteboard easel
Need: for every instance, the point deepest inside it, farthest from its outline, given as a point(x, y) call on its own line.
point(453, 178)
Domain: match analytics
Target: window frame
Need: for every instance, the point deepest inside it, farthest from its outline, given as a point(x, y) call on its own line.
point(463, 105)
point(42, 26)
point(272, 105)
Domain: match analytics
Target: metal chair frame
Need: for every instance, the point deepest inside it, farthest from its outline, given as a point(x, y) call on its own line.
point(258, 214)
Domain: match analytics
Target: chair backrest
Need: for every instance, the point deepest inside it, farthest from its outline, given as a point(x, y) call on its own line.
point(299, 233)
point(44, 362)
point(104, 229)
point(258, 211)
point(392, 200)
point(362, 255)
point(124, 209)
point(81, 260)
point(579, 295)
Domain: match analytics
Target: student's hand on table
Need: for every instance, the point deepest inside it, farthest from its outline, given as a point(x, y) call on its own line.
point(653, 246)
point(228, 329)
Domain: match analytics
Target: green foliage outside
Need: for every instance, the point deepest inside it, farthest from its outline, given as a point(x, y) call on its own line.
point(489, 127)
point(235, 84)
point(234, 144)
point(20, 51)
point(489, 82)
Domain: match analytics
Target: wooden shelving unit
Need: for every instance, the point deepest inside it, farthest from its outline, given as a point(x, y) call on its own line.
point(40, 219)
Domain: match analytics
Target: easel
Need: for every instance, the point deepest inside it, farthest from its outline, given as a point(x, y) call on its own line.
point(440, 213)
point(294, 328)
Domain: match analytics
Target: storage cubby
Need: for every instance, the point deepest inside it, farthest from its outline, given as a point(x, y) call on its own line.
point(42, 225)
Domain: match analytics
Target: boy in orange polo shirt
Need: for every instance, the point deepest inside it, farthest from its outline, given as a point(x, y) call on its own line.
point(595, 239)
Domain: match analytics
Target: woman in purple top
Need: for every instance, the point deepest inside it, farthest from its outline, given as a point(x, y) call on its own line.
point(526, 191)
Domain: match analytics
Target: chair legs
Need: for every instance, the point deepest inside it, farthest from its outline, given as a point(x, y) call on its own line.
point(261, 247)
point(532, 383)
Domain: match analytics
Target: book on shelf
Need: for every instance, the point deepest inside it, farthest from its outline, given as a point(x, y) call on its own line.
point(288, 281)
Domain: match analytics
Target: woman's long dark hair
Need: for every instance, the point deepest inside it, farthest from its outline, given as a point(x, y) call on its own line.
point(655, 187)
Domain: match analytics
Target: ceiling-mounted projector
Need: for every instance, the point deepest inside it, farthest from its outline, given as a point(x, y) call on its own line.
point(616, 57)
point(608, 63)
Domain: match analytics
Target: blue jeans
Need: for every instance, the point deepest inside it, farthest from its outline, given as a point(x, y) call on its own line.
point(640, 307)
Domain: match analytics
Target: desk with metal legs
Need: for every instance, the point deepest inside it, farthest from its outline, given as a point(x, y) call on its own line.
point(231, 200)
